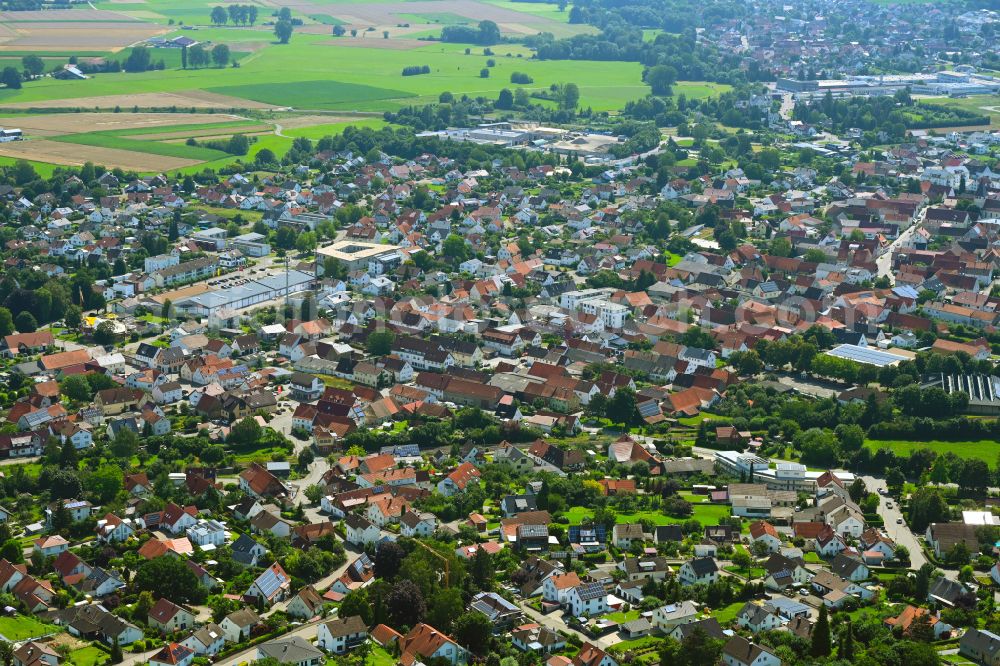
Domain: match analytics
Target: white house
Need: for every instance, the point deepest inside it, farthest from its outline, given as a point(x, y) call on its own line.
point(360, 531)
point(342, 634)
point(699, 570)
point(587, 599)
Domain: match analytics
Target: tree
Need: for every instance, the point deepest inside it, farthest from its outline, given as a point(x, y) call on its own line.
point(125, 444)
point(472, 630)
point(219, 15)
point(845, 650)
point(220, 55)
point(454, 248)
point(894, 480)
point(445, 607)
point(265, 156)
point(570, 96)
point(741, 559)
point(506, 99)
point(105, 482)
point(73, 316)
point(116, 652)
point(76, 388)
point(246, 432)
point(356, 603)
point(11, 78)
point(6, 322)
point(622, 407)
point(406, 604)
point(104, 334)
point(139, 60)
point(661, 79)
point(283, 30)
point(388, 559)
point(25, 322)
point(169, 577)
point(483, 570)
point(926, 506)
point(252, 14)
point(700, 649)
point(198, 56)
point(820, 645)
point(184, 57)
point(33, 65)
point(306, 242)
point(747, 363)
point(975, 478)
point(379, 343)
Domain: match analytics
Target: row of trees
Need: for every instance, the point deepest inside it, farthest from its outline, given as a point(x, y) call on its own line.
point(486, 33)
point(197, 56)
point(237, 14)
point(414, 70)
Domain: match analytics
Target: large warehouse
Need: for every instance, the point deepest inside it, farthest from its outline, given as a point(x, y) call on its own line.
point(245, 295)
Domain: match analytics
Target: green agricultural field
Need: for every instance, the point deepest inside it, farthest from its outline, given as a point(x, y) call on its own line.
point(319, 131)
point(152, 147)
point(543, 9)
point(310, 95)
point(313, 72)
point(988, 105)
point(44, 169)
point(983, 449)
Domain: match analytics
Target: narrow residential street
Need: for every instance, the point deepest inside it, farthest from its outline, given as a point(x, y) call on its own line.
point(900, 533)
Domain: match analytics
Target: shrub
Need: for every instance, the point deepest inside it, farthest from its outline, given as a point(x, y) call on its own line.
point(414, 70)
point(521, 77)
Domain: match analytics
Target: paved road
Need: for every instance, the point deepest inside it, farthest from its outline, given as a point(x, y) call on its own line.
point(884, 260)
point(900, 533)
point(306, 631)
point(807, 386)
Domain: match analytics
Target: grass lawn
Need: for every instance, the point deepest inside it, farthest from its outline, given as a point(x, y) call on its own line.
point(377, 657)
point(983, 449)
point(727, 614)
point(620, 617)
point(812, 558)
point(756, 573)
point(257, 455)
point(88, 656)
point(709, 514)
point(22, 627)
point(693, 421)
point(700, 89)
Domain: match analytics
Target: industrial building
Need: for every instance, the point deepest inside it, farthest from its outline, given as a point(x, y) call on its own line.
point(251, 293)
point(950, 83)
point(866, 355)
point(983, 390)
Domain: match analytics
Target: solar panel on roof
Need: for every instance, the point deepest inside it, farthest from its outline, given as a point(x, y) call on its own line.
point(269, 582)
